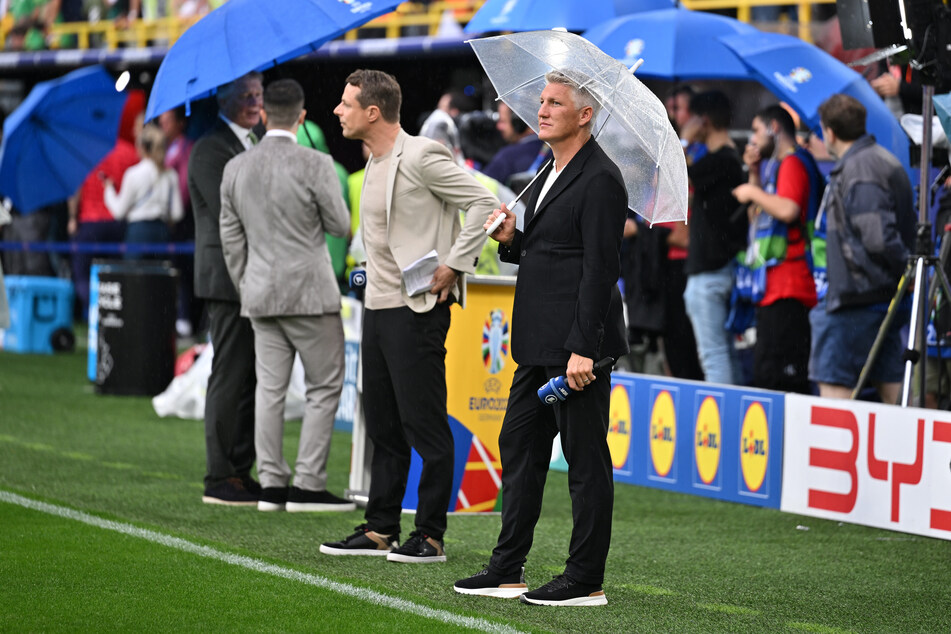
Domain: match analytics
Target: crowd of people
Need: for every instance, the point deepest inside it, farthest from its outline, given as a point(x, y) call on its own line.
point(811, 260)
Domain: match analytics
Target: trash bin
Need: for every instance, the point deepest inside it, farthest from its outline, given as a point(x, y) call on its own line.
point(136, 344)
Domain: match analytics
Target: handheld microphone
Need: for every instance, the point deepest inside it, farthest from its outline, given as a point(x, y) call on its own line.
point(358, 278)
point(557, 389)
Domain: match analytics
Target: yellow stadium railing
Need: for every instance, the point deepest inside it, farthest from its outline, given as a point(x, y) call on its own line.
point(409, 18)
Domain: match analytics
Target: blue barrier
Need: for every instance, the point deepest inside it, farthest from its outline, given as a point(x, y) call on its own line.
point(101, 248)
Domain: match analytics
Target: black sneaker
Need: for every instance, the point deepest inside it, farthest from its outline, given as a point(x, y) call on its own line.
point(272, 499)
point(420, 548)
point(562, 590)
point(362, 542)
point(251, 485)
point(488, 584)
point(300, 500)
point(231, 492)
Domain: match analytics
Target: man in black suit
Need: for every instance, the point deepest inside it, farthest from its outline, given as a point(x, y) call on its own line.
point(567, 315)
point(229, 401)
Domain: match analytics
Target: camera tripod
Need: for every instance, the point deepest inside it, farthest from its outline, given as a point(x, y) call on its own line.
point(919, 263)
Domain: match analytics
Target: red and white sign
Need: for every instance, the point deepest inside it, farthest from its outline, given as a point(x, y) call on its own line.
point(868, 463)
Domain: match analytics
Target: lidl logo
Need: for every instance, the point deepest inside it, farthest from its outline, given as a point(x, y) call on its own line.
point(794, 78)
point(619, 431)
point(663, 433)
point(495, 341)
point(754, 447)
point(707, 440)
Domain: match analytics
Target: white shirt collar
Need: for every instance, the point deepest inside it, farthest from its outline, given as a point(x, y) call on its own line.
point(284, 133)
point(241, 133)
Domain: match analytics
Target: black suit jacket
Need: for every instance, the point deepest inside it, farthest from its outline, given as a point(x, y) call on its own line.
point(205, 169)
point(566, 297)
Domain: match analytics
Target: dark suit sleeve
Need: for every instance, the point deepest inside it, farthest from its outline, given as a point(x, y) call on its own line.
point(205, 169)
point(512, 254)
point(602, 228)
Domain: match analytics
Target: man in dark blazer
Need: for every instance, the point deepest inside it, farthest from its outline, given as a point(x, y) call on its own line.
point(229, 400)
point(567, 315)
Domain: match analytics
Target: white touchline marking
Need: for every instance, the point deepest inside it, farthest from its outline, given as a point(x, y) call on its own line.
point(363, 594)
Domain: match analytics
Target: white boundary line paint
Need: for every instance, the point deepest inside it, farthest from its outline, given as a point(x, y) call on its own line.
point(363, 594)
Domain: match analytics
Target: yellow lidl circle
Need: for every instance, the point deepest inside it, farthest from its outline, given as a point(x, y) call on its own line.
point(663, 433)
point(754, 447)
point(707, 440)
point(619, 431)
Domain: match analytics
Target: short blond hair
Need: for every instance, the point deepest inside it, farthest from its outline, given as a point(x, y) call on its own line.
point(581, 96)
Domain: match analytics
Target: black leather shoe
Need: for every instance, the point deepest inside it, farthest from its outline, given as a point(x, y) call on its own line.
point(231, 492)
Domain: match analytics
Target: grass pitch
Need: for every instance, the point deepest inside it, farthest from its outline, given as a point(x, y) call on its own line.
point(678, 563)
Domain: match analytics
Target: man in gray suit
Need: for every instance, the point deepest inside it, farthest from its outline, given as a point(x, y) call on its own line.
point(273, 242)
point(412, 193)
point(229, 401)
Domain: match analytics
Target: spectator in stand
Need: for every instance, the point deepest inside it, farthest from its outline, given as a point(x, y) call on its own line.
point(868, 219)
point(31, 23)
point(89, 218)
point(784, 190)
point(149, 199)
point(173, 124)
point(522, 149)
point(717, 233)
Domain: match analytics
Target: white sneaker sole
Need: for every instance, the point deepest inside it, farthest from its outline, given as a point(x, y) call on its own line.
point(269, 506)
point(409, 559)
point(304, 507)
point(210, 500)
point(366, 552)
point(597, 598)
point(510, 592)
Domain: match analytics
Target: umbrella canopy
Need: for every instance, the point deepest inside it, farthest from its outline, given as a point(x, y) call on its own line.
point(631, 127)
point(246, 35)
point(57, 136)
point(942, 108)
point(804, 76)
point(676, 44)
point(574, 15)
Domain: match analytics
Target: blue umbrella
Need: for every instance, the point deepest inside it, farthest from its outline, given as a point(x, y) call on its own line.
point(246, 35)
point(538, 15)
point(942, 108)
point(57, 136)
point(676, 44)
point(804, 76)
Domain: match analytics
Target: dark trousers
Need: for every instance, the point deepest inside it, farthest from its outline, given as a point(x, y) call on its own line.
point(680, 346)
point(111, 231)
point(525, 447)
point(404, 403)
point(229, 401)
point(783, 342)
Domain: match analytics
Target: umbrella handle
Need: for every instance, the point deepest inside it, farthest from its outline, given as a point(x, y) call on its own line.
point(498, 221)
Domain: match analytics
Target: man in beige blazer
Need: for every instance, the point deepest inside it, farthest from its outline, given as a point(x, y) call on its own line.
point(277, 199)
point(412, 193)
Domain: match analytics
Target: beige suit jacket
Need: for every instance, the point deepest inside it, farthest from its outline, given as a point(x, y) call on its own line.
point(277, 200)
point(425, 189)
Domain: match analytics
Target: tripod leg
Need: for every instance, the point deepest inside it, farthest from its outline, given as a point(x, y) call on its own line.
point(916, 333)
point(883, 331)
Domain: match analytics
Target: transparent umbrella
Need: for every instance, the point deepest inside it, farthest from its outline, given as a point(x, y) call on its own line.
point(632, 126)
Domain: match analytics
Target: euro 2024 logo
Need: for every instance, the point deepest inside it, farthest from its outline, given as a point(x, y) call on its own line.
point(495, 341)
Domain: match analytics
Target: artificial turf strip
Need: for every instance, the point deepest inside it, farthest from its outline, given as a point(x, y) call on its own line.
point(71, 576)
point(677, 562)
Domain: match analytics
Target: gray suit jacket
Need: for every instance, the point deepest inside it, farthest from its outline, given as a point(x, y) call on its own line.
point(425, 189)
point(277, 200)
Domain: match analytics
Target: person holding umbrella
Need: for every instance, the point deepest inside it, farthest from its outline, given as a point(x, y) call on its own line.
point(567, 315)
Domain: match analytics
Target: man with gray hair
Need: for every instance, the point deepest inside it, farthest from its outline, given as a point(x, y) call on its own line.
point(273, 243)
point(229, 400)
point(567, 315)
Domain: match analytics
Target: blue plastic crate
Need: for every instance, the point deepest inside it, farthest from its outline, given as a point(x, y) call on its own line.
point(39, 307)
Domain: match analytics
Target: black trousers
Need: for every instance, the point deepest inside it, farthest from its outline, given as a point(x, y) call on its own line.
point(525, 447)
point(229, 401)
point(404, 403)
point(783, 343)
